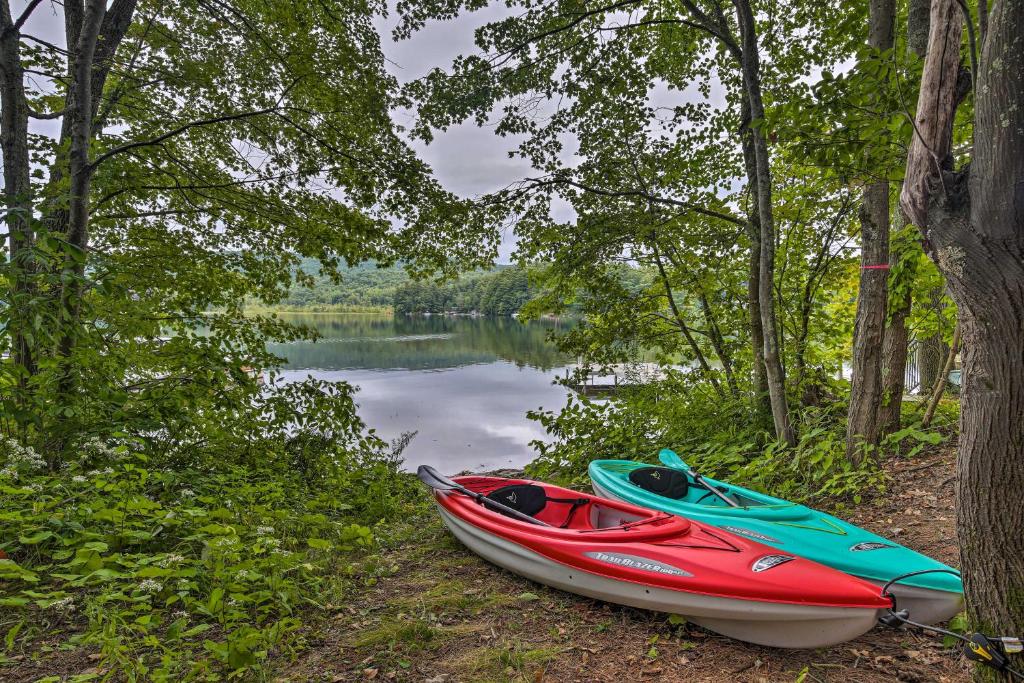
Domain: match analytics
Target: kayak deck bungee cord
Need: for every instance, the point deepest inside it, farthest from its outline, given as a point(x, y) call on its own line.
point(929, 597)
point(630, 555)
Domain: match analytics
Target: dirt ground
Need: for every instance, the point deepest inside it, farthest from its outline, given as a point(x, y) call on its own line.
point(437, 613)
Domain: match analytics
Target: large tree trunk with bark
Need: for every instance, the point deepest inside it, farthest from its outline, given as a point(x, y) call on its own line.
point(775, 375)
point(897, 336)
point(973, 224)
point(862, 425)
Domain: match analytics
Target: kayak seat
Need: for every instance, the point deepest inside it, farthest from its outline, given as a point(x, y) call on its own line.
point(526, 498)
point(532, 500)
point(663, 481)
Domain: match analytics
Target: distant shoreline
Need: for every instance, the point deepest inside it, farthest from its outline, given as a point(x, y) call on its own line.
point(323, 308)
point(335, 309)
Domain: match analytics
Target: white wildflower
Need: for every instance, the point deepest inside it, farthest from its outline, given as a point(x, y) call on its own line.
point(98, 448)
point(264, 530)
point(20, 458)
point(151, 586)
point(79, 479)
point(64, 605)
point(187, 493)
point(180, 614)
point(171, 559)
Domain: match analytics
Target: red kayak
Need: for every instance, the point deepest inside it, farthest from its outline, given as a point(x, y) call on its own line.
point(633, 556)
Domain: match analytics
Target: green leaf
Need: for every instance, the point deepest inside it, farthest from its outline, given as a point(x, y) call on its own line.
point(36, 538)
point(13, 602)
point(196, 630)
point(216, 600)
point(9, 569)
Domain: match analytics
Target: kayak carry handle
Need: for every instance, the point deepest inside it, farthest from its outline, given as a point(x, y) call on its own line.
point(435, 480)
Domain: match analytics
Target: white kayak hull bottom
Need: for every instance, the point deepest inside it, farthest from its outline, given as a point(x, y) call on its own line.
point(926, 605)
point(763, 623)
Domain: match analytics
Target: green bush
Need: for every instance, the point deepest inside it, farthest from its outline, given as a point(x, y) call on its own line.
point(191, 572)
point(721, 438)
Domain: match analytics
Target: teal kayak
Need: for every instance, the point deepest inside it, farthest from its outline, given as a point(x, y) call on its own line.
point(674, 488)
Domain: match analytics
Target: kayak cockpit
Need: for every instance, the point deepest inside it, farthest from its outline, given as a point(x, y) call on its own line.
point(677, 485)
point(564, 510)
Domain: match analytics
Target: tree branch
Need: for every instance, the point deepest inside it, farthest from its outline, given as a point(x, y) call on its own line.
point(711, 213)
point(20, 21)
point(178, 131)
point(45, 115)
point(580, 18)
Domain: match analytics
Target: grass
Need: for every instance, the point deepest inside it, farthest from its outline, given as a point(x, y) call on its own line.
point(451, 596)
point(407, 634)
point(507, 662)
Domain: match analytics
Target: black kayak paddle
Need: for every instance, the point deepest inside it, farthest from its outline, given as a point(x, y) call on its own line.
point(435, 480)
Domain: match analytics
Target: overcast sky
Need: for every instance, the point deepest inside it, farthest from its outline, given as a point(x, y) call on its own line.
point(467, 159)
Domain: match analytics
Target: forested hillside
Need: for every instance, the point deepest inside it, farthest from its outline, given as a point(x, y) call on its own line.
point(503, 292)
point(365, 285)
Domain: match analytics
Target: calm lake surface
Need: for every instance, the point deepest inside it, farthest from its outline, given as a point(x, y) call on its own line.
point(464, 384)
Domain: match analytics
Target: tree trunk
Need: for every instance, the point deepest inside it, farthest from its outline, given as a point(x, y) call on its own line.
point(775, 375)
point(930, 354)
point(894, 367)
point(17, 186)
point(762, 401)
point(940, 384)
point(862, 425)
point(80, 171)
point(897, 336)
point(917, 26)
point(973, 223)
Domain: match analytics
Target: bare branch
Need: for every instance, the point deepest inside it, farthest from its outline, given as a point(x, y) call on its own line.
point(20, 21)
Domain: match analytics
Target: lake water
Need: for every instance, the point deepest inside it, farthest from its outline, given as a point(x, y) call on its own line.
point(464, 384)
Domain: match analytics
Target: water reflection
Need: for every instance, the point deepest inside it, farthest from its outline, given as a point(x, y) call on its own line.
point(464, 383)
point(385, 343)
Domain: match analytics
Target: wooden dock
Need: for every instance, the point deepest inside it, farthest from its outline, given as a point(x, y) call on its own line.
point(609, 383)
